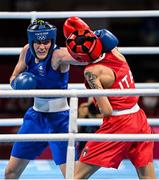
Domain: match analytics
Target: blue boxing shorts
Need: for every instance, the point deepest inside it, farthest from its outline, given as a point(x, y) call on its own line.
point(38, 122)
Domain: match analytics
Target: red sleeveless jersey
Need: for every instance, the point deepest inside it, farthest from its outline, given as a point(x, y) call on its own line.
point(124, 80)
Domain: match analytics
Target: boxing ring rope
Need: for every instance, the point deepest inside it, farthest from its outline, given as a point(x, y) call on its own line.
point(77, 93)
point(125, 50)
point(83, 14)
point(82, 86)
point(78, 137)
point(80, 121)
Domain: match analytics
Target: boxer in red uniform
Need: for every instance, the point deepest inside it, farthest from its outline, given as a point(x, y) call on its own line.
point(108, 69)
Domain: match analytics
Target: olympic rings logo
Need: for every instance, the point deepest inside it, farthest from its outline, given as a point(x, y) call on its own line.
point(42, 38)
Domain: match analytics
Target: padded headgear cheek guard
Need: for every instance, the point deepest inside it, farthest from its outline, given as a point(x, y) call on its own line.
point(40, 30)
point(84, 46)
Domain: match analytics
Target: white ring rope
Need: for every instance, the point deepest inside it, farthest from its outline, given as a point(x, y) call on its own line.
point(84, 14)
point(125, 50)
point(10, 51)
point(82, 86)
point(80, 121)
point(78, 137)
point(96, 121)
point(77, 93)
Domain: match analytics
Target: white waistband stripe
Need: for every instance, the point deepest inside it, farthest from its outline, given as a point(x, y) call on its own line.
point(50, 105)
point(126, 111)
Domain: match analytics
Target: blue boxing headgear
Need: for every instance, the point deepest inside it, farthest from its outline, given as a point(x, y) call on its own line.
point(41, 30)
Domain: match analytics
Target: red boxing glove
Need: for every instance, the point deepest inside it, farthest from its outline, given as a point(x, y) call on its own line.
point(72, 24)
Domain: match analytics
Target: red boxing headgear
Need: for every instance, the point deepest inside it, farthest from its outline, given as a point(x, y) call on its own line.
point(73, 23)
point(84, 46)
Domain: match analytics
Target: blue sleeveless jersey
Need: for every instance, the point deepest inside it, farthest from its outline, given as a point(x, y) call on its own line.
point(46, 77)
point(36, 122)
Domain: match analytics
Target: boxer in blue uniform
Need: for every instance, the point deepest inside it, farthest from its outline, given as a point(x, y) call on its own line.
point(34, 70)
point(43, 65)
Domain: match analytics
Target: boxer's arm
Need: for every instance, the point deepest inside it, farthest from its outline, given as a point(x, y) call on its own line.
point(99, 80)
point(21, 65)
point(62, 57)
point(68, 59)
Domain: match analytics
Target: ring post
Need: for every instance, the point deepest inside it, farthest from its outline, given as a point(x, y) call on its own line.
point(70, 162)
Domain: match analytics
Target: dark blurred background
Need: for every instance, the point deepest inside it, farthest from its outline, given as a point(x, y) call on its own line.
point(130, 32)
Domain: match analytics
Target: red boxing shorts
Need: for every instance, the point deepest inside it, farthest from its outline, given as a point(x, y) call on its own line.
point(110, 154)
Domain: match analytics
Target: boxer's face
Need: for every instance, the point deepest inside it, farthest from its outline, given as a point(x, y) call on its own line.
point(41, 48)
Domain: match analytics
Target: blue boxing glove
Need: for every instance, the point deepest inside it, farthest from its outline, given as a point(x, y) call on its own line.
point(109, 40)
point(25, 80)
